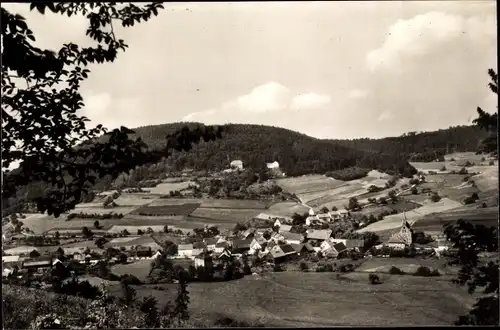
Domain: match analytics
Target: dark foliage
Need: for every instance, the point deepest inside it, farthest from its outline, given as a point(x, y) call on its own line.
point(396, 271)
point(374, 279)
point(426, 272)
point(470, 240)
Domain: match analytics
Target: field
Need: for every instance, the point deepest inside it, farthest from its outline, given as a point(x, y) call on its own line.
point(89, 209)
point(286, 209)
point(134, 199)
point(139, 269)
point(213, 203)
point(394, 221)
point(435, 222)
point(166, 188)
point(308, 184)
point(40, 223)
point(225, 215)
point(488, 179)
point(297, 299)
point(169, 210)
point(400, 206)
point(409, 266)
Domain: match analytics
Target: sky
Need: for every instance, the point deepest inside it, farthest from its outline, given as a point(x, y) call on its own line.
point(327, 69)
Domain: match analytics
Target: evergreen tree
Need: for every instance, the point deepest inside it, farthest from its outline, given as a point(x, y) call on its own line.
point(180, 311)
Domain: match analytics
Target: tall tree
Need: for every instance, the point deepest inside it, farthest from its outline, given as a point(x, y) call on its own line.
point(476, 272)
point(487, 121)
point(180, 311)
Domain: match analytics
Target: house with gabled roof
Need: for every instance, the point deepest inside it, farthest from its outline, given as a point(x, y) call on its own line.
point(351, 244)
point(257, 244)
point(261, 231)
point(331, 248)
point(35, 263)
point(302, 248)
point(221, 246)
point(282, 252)
point(319, 234)
point(225, 256)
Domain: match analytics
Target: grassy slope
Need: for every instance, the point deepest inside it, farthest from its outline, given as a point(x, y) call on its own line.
point(319, 299)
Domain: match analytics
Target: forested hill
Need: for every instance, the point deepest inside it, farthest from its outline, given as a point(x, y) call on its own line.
point(425, 146)
point(256, 145)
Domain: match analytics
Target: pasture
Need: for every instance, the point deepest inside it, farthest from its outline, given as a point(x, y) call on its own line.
point(166, 188)
point(407, 265)
point(168, 210)
point(40, 223)
point(308, 184)
point(394, 221)
point(139, 269)
point(297, 299)
point(435, 222)
point(134, 200)
point(88, 209)
point(225, 215)
point(487, 180)
point(286, 209)
point(213, 203)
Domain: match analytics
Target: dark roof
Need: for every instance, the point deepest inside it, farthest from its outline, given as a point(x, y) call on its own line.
point(211, 241)
point(339, 247)
point(222, 244)
point(199, 245)
point(287, 248)
point(242, 243)
point(298, 247)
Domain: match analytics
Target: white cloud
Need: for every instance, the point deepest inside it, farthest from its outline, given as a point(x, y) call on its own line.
point(268, 97)
point(358, 94)
point(309, 101)
point(421, 34)
point(384, 116)
point(265, 99)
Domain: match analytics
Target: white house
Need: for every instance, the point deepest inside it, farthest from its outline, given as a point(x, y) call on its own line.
point(340, 215)
point(274, 164)
point(319, 235)
point(313, 220)
point(221, 246)
point(325, 217)
point(311, 212)
point(185, 250)
point(210, 242)
point(258, 243)
point(237, 164)
point(277, 223)
point(277, 237)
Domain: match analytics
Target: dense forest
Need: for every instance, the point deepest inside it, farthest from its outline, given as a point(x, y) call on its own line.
point(257, 145)
point(423, 146)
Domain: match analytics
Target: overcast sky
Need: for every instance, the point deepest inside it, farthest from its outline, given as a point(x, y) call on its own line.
point(327, 69)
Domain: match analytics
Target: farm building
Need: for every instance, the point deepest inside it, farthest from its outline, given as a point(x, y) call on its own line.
point(319, 235)
point(325, 217)
point(328, 247)
point(21, 251)
point(302, 249)
point(282, 252)
point(356, 244)
point(258, 243)
point(313, 220)
point(35, 263)
point(237, 164)
point(10, 259)
point(225, 256)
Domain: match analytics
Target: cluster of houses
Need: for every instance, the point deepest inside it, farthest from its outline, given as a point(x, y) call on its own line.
point(265, 242)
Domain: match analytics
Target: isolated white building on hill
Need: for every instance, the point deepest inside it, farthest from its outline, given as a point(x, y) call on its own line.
point(238, 164)
point(274, 164)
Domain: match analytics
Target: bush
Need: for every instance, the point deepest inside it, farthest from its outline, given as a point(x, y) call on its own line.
point(435, 198)
point(374, 279)
point(395, 271)
point(463, 170)
point(491, 163)
point(426, 272)
point(303, 266)
point(277, 268)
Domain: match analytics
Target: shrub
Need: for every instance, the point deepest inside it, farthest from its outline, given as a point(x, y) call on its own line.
point(469, 200)
point(374, 279)
point(395, 271)
point(426, 272)
point(491, 163)
point(443, 168)
point(435, 198)
point(303, 266)
point(277, 268)
point(463, 170)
